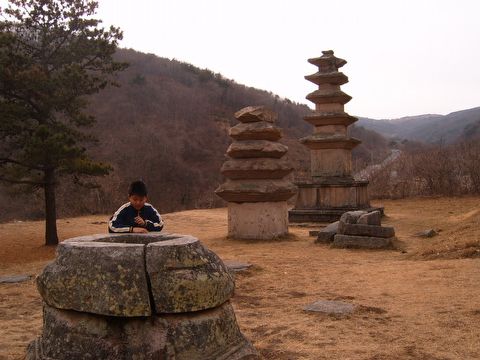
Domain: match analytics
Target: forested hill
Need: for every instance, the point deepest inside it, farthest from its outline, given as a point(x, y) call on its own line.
point(167, 123)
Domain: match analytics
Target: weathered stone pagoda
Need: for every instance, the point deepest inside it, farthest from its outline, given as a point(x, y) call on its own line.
point(331, 189)
point(256, 189)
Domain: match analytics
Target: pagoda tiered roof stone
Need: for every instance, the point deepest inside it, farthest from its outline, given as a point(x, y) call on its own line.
point(255, 171)
point(255, 131)
point(255, 114)
point(256, 148)
point(335, 78)
point(316, 142)
point(336, 96)
point(328, 118)
point(259, 168)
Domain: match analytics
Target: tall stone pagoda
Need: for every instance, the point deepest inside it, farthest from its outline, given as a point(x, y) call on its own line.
point(256, 189)
point(331, 189)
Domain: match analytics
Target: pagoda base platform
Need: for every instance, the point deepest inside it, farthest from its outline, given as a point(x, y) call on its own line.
point(259, 220)
point(325, 201)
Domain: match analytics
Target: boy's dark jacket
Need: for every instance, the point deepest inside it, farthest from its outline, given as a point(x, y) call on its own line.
point(123, 221)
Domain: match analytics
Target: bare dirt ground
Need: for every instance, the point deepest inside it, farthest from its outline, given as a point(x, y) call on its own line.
point(419, 302)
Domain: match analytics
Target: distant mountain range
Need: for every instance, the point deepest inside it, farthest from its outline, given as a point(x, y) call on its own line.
point(430, 128)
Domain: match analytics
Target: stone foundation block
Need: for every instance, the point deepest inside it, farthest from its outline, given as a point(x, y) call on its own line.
point(365, 230)
point(362, 242)
point(209, 335)
point(261, 220)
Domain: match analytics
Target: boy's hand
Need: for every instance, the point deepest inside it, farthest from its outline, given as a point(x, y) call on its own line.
point(139, 221)
point(139, 230)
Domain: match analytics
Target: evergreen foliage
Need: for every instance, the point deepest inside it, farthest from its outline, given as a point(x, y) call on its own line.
point(52, 55)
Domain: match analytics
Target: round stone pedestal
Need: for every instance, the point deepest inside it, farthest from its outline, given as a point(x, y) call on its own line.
point(259, 220)
point(204, 335)
point(138, 296)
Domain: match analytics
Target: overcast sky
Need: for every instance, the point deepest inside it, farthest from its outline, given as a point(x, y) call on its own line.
point(405, 57)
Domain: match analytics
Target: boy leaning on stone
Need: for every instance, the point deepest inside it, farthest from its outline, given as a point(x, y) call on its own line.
point(137, 215)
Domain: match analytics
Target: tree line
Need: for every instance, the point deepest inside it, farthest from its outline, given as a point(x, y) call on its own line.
point(431, 170)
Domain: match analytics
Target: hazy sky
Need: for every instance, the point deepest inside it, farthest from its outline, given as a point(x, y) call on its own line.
point(405, 57)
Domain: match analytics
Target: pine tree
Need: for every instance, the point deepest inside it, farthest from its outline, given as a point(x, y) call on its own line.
point(53, 54)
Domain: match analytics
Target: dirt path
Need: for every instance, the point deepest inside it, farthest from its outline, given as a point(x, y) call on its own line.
point(409, 307)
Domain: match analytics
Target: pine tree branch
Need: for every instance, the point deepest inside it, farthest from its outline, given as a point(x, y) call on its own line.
point(24, 182)
point(4, 161)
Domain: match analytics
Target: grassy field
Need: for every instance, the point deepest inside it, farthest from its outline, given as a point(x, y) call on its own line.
point(417, 302)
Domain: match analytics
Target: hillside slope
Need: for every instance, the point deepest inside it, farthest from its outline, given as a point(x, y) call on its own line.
point(430, 128)
point(167, 123)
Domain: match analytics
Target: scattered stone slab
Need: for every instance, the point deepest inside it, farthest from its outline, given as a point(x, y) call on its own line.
point(331, 307)
point(237, 266)
point(313, 232)
point(371, 218)
point(351, 217)
point(361, 242)
point(362, 229)
point(365, 230)
point(327, 234)
point(426, 233)
point(13, 279)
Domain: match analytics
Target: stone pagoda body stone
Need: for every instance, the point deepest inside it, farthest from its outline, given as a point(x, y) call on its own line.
point(256, 189)
point(331, 189)
point(131, 296)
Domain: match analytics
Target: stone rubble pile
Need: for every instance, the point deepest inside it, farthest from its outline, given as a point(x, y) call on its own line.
point(361, 229)
point(130, 296)
point(256, 189)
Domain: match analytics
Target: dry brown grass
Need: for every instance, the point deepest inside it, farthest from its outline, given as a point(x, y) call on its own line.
point(409, 308)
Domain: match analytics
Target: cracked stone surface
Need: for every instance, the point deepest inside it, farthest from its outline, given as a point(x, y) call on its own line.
point(117, 275)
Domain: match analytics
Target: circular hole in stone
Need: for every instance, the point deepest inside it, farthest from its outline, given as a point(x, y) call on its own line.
point(144, 239)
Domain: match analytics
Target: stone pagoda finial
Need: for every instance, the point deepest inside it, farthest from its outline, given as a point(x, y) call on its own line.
point(256, 190)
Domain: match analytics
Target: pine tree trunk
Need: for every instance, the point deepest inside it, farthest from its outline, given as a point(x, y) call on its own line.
point(51, 237)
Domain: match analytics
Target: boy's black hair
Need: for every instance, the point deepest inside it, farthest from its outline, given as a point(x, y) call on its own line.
point(137, 188)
